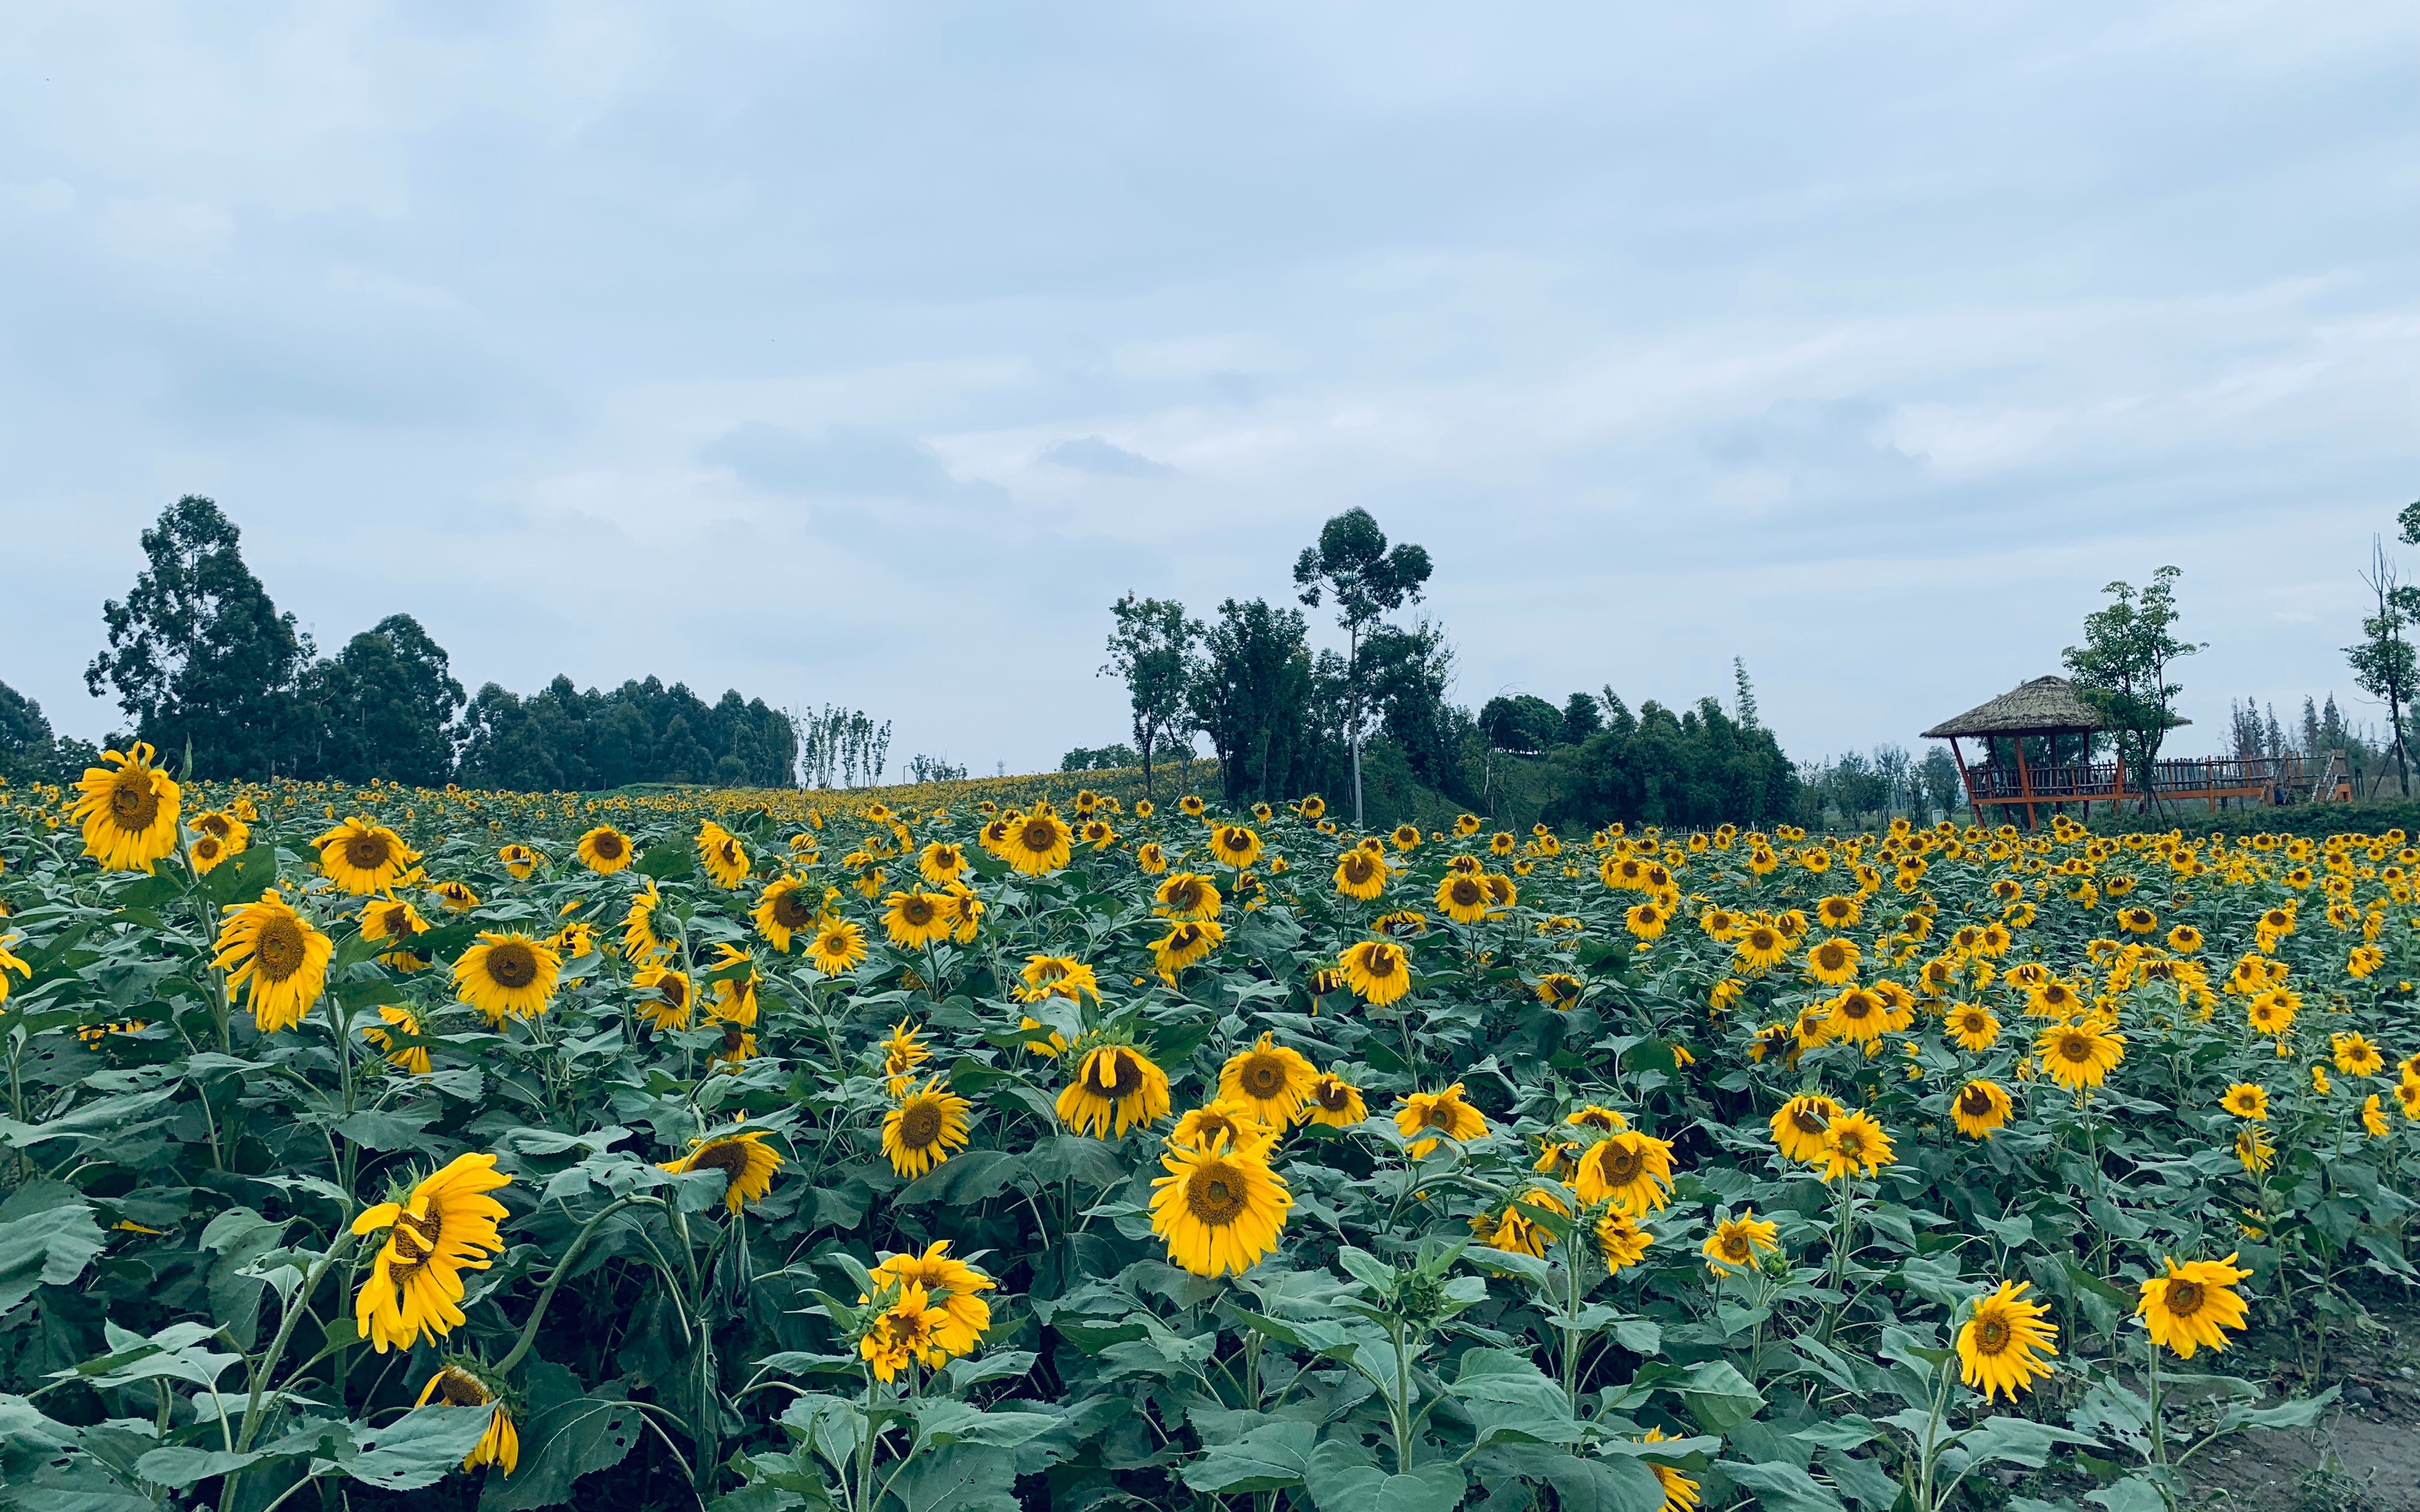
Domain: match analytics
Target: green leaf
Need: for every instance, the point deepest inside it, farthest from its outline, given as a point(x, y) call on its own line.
point(48, 1248)
point(946, 1420)
point(239, 1236)
point(2301, 1413)
point(177, 1466)
point(1269, 1457)
point(2020, 1440)
point(965, 1178)
point(381, 1130)
point(416, 1449)
point(959, 1477)
point(1511, 1399)
point(667, 862)
point(1340, 1478)
point(1718, 1395)
point(1781, 1487)
point(1586, 1485)
point(2135, 1493)
point(558, 1446)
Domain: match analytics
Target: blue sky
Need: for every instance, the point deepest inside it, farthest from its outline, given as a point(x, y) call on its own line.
point(862, 354)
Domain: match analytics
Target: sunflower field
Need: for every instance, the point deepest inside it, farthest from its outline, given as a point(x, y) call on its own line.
point(769, 1150)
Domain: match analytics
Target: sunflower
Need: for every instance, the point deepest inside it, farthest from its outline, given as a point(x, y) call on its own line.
point(1838, 912)
point(1557, 989)
point(1800, 1124)
point(1736, 1242)
point(412, 1058)
point(1833, 962)
point(1631, 1170)
point(2137, 920)
point(362, 858)
point(1855, 1143)
point(916, 920)
point(1056, 976)
point(906, 1334)
point(2186, 1308)
point(2002, 1344)
point(665, 1001)
point(1336, 1103)
point(1980, 1108)
point(838, 946)
point(1115, 1087)
point(1379, 971)
point(206, 852)
point(506, 975)
point(1974, 1027)
point(1500, 892)
point(130, 813)
point(1855, 1015)
point(720, 852)
point(2373, 1116)
point(1647, 921)
point(458, 1385)
point(1516, 1233)
point(1271, 1080)
point(1620, 1242)
point(1443, 1113)
point(1191, 806)
point(782, 910)
point(1183, 944)
point(1462, 899)
point(2246, 1099)
point(1218, 1210)
point(2254, 1149)
point(2078, 1056)
point(940, 862)
point(223, 826)
point(604, 850)
point(952, 1285)
point(925, 1128)
point(1228, 1120)
point(1361, 875)
point(2273, 1012)
point(269, 947)
point(1680, 1492)
point(2355, 1055)
point(639, 941)
point(519, 860)
point(414, 1289)
point(2184, 939)
point(745, 1162)
point(9, 963)
point(1188, 896)
point(457, 897)
point(1761, 948)
point(1151, 857)
point(1037, 843)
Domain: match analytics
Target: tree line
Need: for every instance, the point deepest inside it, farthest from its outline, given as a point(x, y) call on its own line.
point(202, 662)
point(1375, 721)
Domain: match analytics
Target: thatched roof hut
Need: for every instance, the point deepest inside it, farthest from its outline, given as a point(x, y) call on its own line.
point(2046, 706)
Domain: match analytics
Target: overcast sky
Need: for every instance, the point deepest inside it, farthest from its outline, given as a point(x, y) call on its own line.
point(863, 353)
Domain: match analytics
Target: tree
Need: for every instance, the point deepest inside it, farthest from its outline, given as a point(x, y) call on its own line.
point(1524, 723)
point(197, 654)
point(1252, 695)
point(384, 708)
point(1745, 693)
point(1582, 719)
point(1151, 648)
point(1352, 561)
point(2383, 665)
point(2122, 670)
point(1938, 777)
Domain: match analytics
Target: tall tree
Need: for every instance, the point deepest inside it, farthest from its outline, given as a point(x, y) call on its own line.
point(1252, 695)
point(383, 707)
point(198, 653)
point(1353, 563)
point(2383, 665)
point(2122, 670)
point(1151, 648)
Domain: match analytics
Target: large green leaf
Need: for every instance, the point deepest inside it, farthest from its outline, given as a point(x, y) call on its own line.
point(49, 1247)
point(1269, 1457)
point(560, 1444)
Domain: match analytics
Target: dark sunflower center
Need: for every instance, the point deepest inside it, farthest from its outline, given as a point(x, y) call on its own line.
point(1216, 1194)
point(1263, 1076)
point(217, 824)
point(1735, 1247)
point(456, 1389)
point(1809, 1120)
point(415, 1239)
point(1467, 892)
point(279, 949)
point(207, 847)
point(512, 964)
point(1620, 1165)
point(366, 852)
point(790, 911)
point(1040, 836)
point(2184, 1298)
point(1332, 1096)
point(916, 911)
point(608, 847)
point(1763, 939)
point(133, 802)
point(1124, 1078)
point(1857, 1007)
point(1975, 1102)
point(1379, 963)
point(920, 1126)
point(730, 1157)
point(675, 990)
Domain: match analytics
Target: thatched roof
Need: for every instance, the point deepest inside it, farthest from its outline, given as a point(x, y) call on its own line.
point(2046, 705)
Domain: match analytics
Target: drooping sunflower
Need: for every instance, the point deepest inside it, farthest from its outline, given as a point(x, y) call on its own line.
point(396, 920)
point(1422, 1116)
point(1378, 971)
point(455, 896)
point(1271, 1080)
point(1980, 1108)
point(745, 1160)
point(412, 1058)
point(2187, 1308)
point(838, 946)
point(273, 953)
point(1186, 944)
point(1799, 1126)
point(2254, 1149)
point(2273, 1012)
point(1188, 896)
point(963, 911)
point(1218, 1210)
point(604, 850)
point(1361, 875)
point(639, 940)
point(1336, 1103)
point(951, 1285)
point(2003, 1344)
point(507, 976)
point(1855, 1144)
point(1151, 856)
point(925, 1128)
point(1631, 1170)
point(9, 963)
point(519, 859)
point(2082, 1055)
point(1226, 1120)
point(1116, 1087)
point(2246, 1099)
point(362, 858)
point(1038, 843)
point(786, 907)
point(457, 1384)
point(1974, 1027)
point(1736, 1242)
point(127, 810)
point(1620, 1242)
point(906, 1334)
point(1055, 976)
point(2373, 1115)
point(1679, 1492)
point(1557, 989)
point(664, 1000)
point(720, 852)
point(444, 1227)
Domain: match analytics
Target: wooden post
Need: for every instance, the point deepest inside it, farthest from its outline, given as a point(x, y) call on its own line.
point(2026, 785)
point(1965, 780)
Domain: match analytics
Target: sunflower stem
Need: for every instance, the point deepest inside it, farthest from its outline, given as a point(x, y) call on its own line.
point(546, 1294)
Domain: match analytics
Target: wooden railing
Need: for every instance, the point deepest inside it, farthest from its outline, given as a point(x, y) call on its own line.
point(2269, 778)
